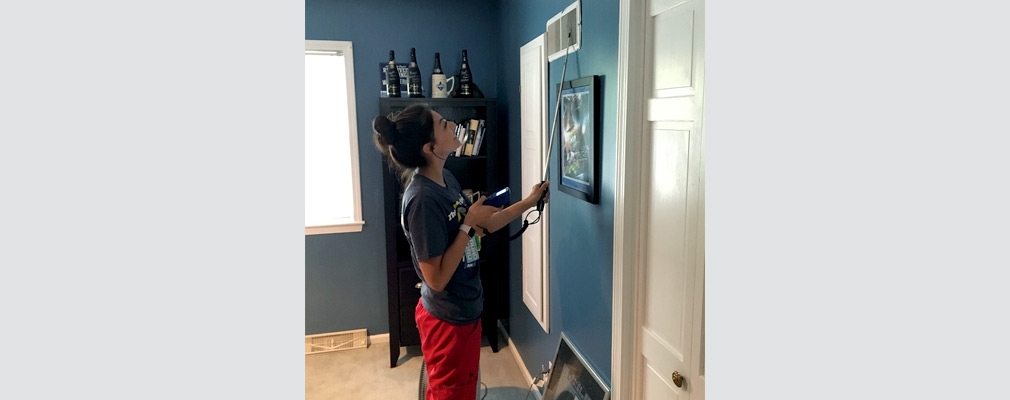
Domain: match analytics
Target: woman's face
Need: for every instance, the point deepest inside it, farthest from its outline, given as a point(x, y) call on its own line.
point(445, 135)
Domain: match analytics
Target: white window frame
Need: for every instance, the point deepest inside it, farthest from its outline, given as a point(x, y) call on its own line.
point(344, 49)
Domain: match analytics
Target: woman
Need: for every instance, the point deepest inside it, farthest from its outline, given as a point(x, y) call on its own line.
point(440, 224)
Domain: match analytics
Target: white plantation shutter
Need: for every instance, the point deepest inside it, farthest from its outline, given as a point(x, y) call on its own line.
point(332, 186)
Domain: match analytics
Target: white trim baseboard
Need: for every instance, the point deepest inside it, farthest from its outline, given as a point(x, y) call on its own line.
point(519, 360)
point(380, 338)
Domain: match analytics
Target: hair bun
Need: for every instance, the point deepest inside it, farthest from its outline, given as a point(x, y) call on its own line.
point(387, 129)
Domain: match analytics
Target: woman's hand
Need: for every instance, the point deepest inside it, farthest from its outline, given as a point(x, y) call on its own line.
point(478, 213)
point(534, 196)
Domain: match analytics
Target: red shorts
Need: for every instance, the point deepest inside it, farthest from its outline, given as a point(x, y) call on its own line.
point(452, 355)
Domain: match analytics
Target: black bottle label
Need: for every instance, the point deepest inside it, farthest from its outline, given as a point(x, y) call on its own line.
point(392, 81)
point(414, 81)
point(464, 89)
point(465, 78)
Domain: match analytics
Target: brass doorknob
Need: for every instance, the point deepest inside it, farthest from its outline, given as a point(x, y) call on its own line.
point(677, 379)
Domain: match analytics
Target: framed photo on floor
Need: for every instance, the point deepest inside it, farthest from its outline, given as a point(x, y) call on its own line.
point(571, 378)
point(579, 172)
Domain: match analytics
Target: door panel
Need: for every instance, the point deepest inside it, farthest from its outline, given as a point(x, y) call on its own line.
point(665, 281)
point(671, 276)
point(671, 108)
point(658, 387)
point(653, 343)
point(659, 6)
point(673, 34)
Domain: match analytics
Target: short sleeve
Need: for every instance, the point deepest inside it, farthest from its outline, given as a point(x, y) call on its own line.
point(425, 225)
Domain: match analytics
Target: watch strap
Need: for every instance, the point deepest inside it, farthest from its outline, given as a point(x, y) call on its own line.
point(467, 229)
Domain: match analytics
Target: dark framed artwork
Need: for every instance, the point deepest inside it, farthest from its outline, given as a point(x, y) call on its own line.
point(571, 378)
point(579, 172)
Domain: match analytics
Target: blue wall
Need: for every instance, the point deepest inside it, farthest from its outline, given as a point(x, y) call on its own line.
point(345, 273)
point(581, 248)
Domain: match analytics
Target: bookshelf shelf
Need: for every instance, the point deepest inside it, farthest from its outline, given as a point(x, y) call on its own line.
point(403, 102)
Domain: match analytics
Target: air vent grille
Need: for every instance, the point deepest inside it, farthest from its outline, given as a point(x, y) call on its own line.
point(326, 342)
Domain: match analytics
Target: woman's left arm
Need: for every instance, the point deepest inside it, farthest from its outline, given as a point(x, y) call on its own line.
point(501, 218)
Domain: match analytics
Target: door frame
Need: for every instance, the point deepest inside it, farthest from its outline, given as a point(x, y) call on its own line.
point(627, 157)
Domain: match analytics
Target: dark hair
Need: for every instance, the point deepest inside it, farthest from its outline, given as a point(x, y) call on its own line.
point(400, 137)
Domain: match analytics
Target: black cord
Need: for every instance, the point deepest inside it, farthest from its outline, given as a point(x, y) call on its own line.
point(529, 392)
point(531, 212)
point(502, 234)
point(526, 224)
point(541, 378)
point(485, 391)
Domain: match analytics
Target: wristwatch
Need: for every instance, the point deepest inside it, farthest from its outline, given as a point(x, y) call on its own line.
point(468, 230)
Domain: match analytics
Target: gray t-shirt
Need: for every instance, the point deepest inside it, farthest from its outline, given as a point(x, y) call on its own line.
point(430, 217)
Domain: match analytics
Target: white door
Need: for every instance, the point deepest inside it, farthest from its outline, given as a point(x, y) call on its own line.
point(669, 361)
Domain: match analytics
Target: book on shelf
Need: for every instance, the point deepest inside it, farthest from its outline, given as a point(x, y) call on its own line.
point(471, 138)
point(480, 137)
point(459, 135)
point(470, 133)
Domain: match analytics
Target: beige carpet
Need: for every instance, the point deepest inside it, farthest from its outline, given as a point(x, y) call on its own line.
point(364, 374)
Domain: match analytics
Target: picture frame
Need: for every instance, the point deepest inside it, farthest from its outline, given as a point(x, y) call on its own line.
point(571, 378)
point(579, 148)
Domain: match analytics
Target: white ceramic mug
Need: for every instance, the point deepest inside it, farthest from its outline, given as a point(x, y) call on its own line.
point(440, 86)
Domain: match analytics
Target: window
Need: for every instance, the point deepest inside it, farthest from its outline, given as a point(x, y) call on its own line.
point(332, 184)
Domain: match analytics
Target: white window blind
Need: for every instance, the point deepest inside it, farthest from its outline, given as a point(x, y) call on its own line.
point(332, 186)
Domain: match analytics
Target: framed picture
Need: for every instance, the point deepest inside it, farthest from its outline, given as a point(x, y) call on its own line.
point(571, 378)
point(579, 149)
